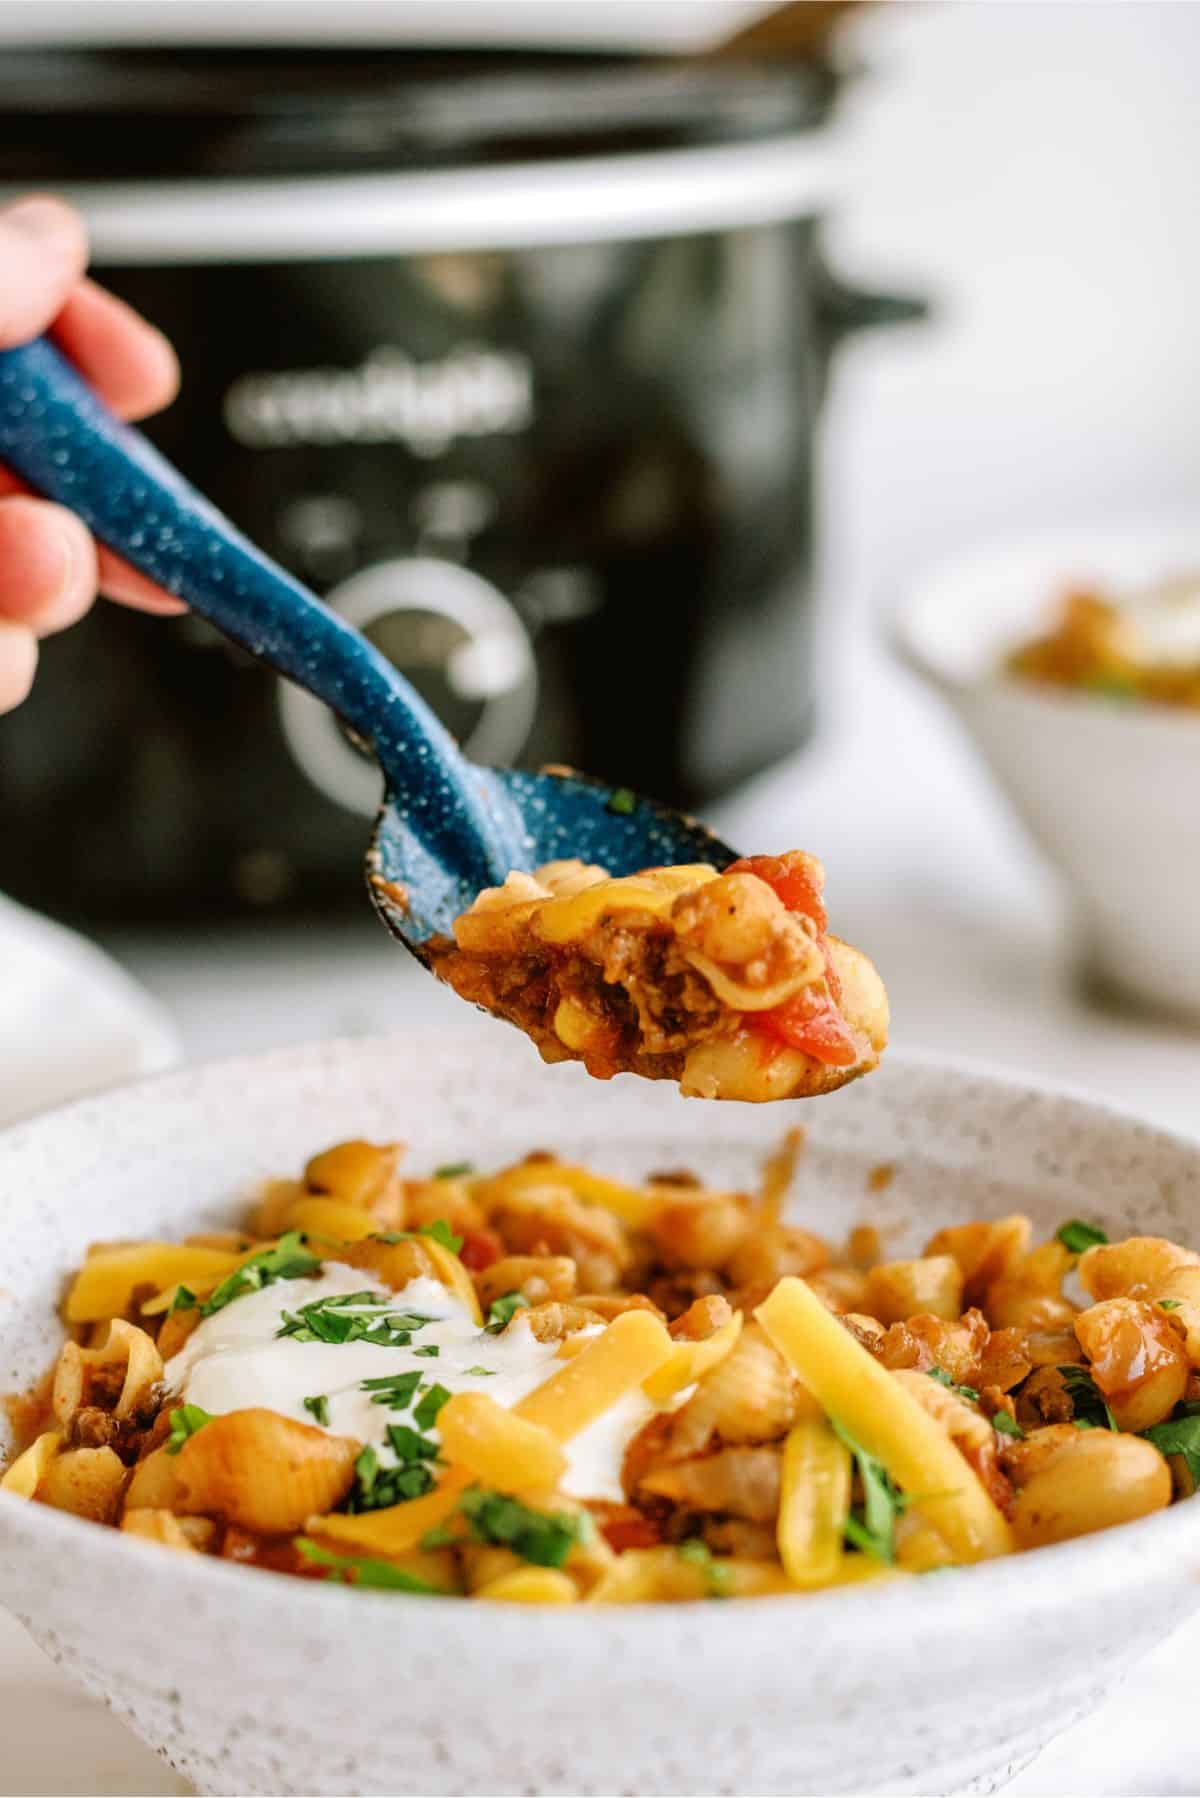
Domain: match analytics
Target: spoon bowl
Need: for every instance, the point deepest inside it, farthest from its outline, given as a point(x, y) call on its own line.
point(447, 827)
point(562, 813)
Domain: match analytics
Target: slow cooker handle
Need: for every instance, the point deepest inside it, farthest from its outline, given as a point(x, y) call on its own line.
point(63, 440)
point(842, 309)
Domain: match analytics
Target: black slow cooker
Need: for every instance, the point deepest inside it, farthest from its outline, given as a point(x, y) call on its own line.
point(517, 359)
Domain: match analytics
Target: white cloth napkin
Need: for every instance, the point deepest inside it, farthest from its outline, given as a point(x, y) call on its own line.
point(71, 1020)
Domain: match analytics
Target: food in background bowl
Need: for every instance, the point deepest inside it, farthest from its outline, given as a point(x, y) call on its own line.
point(728, 983)
point(1145, 646)
point(546, 1385)
point(1107, 789)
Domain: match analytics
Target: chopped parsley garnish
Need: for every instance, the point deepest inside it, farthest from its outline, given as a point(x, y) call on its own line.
point(426, 1412)
point(185, 1421)
point(872, 1526)
point(1078, 1236)
point(454, 1170)
point(1169, 1304)
point(1091, 1411)
point(376, 1487)
point(409, 1445)
point(1180, 1435)
point(943, 1379)
point(352, 1317)
point(288, 1260)
point(1006, 1425)
point(318, 1407)
point(623, 801)
point(501, 1311)
point(483, 1372)
point(353, 1570)
point(544, 1537)
point(438, 1231)
point(395, 1390)
point(184, 1300)
point(427, 1353)
point(717, 1577)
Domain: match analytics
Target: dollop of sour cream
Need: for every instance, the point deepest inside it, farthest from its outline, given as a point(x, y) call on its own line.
point(237, 1359)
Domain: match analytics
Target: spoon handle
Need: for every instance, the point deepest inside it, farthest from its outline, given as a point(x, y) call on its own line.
point(60, 437)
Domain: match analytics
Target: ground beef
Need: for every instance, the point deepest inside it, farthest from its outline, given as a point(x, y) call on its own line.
point(94, 1428)
point(1044, 1398)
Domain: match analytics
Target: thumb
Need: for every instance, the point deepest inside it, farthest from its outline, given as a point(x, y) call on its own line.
point(43, 253)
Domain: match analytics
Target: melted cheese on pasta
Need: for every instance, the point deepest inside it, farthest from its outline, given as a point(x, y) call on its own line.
point(236, 1359)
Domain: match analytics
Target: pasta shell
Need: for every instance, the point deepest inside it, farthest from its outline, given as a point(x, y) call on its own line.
point(750, 1396)
point(88, 1482)
point(766, 1255)
point(156, 1526)
point(357, 1172)
point(155, 1483)
point(118, 1375)
point(1137, 1266)
point(741, 1482)
point(538, 1277)
point(263, 1471)
point(702, 1229)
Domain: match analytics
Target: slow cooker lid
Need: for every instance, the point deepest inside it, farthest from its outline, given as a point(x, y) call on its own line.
point(69, 115)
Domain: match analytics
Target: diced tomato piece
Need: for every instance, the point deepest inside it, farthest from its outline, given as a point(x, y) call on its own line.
point(809, 1021)
point(791, 877)
point(479, 1249)
point(630, 1531)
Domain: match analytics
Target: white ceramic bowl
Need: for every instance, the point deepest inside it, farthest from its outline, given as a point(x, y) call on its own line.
point(248, 1682)
point(1111, 793)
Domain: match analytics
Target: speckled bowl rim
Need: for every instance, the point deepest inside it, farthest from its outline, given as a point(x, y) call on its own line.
point(1151, 1545)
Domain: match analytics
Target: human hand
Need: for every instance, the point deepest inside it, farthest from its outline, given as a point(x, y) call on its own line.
point(50, 567)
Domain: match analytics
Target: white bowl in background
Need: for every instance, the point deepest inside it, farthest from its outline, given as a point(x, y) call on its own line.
point(72, 1020)
point(246, 1681)
point(1110, 792)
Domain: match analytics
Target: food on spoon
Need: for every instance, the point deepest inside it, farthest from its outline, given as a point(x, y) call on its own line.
point(728, 983)
point(547, 1385)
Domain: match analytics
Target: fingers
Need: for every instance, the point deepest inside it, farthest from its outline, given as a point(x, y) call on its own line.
point(47, 566)
point(43, 252)
point(116, 579)
point(18, 662)
point(121, 582)
point(126, 360)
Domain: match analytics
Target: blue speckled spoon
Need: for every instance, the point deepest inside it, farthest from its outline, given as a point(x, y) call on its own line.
point(446, 828)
